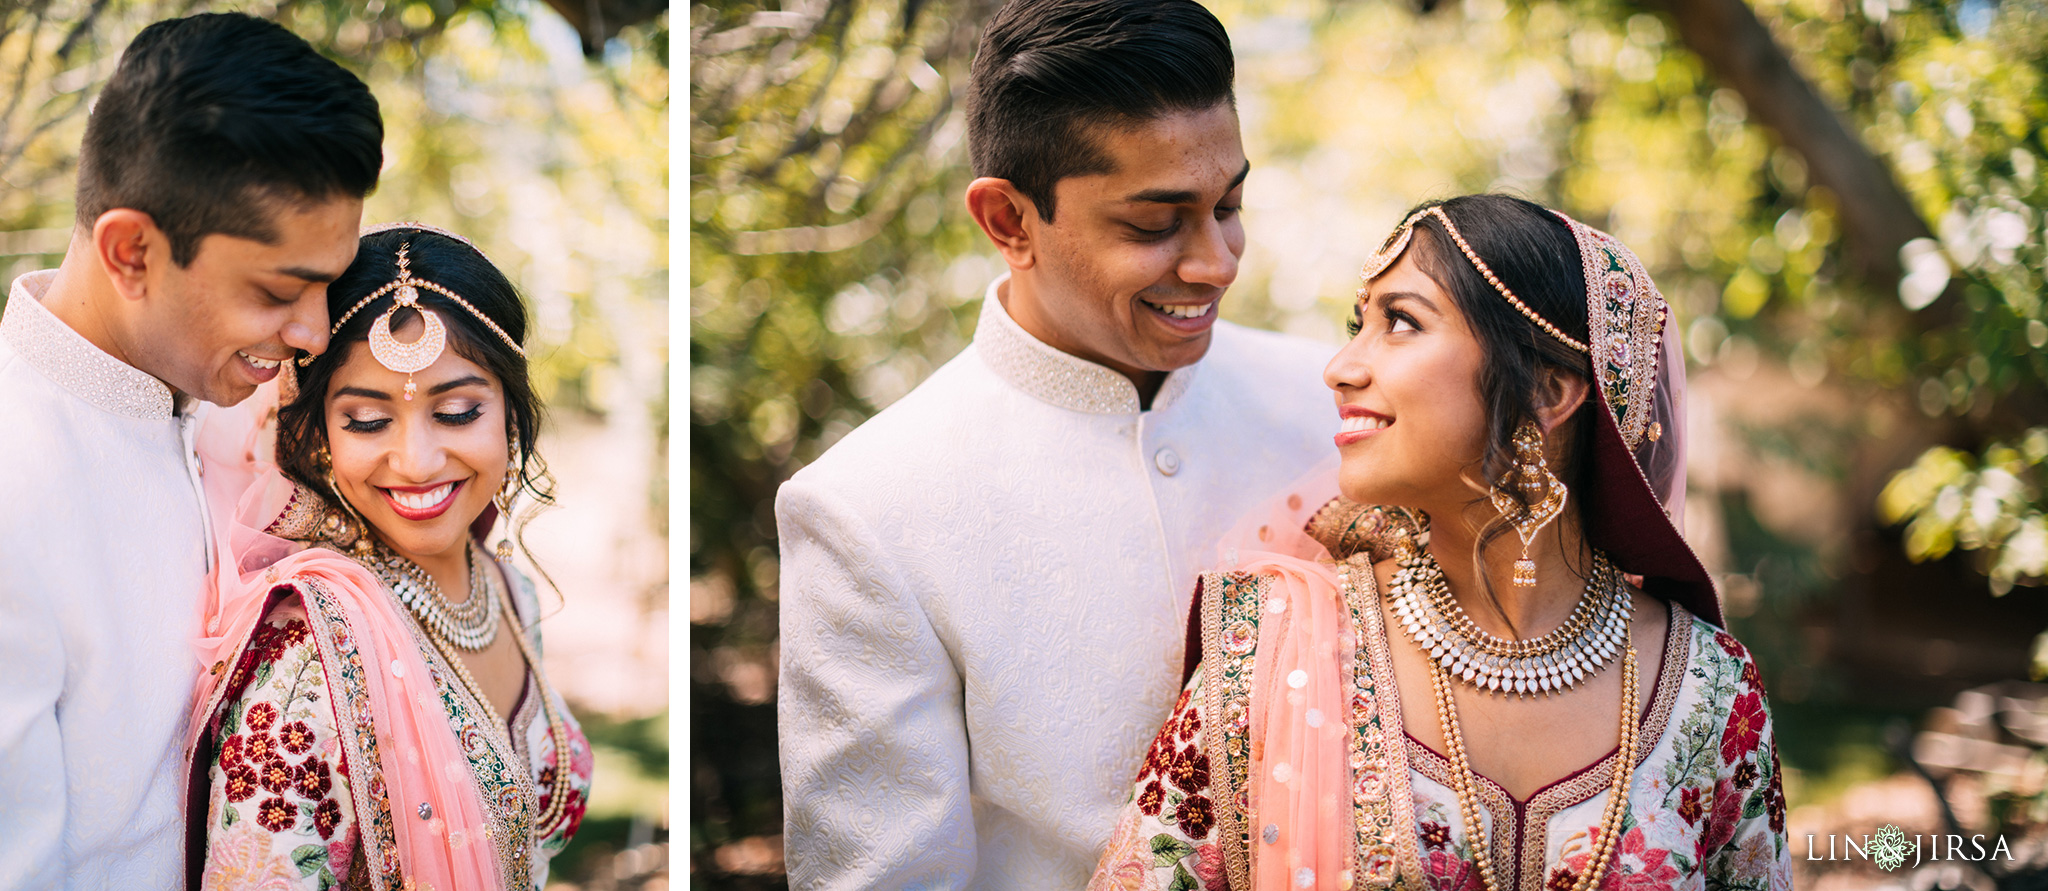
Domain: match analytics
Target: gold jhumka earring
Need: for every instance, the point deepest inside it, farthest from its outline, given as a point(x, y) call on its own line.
point(504, 498)
point(1542, 492)
point(362, 544)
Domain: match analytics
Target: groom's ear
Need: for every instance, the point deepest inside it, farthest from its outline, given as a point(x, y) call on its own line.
point(1001, 211)
point(122, 241)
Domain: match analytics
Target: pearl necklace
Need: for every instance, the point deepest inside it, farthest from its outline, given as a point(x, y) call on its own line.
point(1589, 638)
point(471, 625)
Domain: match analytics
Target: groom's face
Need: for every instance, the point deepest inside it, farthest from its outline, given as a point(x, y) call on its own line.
point(1134, 265)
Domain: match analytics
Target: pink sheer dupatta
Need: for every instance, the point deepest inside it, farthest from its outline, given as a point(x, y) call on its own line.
point(1299, 805)
point(437, 813)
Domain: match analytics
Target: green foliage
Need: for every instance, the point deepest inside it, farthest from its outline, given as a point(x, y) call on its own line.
point(1989, 502)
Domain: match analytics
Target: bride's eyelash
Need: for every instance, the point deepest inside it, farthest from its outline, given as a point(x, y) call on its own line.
point(462, 418)
point(1356, 323)
point(354, 426)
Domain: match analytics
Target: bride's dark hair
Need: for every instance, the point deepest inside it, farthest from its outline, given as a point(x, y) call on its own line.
point(1536, 256)
point(452, 264)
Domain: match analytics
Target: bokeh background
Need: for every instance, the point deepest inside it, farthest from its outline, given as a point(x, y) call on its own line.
point(543, 135)
point(1844, 200)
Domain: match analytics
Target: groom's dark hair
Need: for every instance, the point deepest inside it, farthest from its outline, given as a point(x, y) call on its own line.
point(1049, 71)
point(213, 120)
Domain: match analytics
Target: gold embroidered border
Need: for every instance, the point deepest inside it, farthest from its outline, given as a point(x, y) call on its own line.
point(350, 695)
point(1231, 606)
point(1377, 657)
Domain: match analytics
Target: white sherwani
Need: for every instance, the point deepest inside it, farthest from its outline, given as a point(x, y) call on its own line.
point(102, 560)
point(984, 596)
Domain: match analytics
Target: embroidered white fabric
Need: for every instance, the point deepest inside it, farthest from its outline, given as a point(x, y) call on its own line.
point(984, 592)
point(102, 560)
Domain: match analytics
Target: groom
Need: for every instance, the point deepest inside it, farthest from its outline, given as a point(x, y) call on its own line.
point(220, 188)
point(984, 588)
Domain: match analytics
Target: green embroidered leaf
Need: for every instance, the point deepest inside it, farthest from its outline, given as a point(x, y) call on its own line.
point(327, 879)
point(1182, 880)
point(228, 816)
point(263, 672)
point(1754, 807)
point(232, 724)
point(1167, 850)
point(309, 859)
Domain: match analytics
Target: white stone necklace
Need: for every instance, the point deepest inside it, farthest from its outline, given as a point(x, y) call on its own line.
point(1590, 637)
point(471, 625)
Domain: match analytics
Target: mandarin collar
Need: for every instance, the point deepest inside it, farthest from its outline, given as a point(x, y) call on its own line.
point(1060, 378)
point(72, 362)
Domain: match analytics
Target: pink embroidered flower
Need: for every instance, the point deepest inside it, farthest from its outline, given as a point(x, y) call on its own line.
point(1449, 872)
point(276, 815)
point(1209, 866)
point(1745, 727)
point(296, 737)
point(1640, 867)
point(239, 857)
point(260, 716)
point(1726, 816)
point(1195, 816)
point(340, 854)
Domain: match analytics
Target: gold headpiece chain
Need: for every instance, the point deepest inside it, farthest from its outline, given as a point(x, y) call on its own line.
point(407, 358)
point(1379, 262)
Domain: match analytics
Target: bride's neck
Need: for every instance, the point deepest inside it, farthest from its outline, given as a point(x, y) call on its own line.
point(450, 571)
point(1512, 611)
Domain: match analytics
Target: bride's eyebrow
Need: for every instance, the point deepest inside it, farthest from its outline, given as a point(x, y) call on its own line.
point(363, 392)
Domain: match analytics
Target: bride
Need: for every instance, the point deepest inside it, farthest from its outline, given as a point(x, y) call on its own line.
point(1508, 672)
point(374, 714)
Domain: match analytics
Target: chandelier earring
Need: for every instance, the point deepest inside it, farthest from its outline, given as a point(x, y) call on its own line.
point(1543, 496)
point(504, 498)
point(362, 545)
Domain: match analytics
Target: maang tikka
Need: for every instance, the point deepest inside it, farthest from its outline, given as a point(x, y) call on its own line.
point(409, 358)
point(1542, 492)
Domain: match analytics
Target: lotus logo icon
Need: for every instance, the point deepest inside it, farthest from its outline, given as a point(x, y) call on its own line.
point(1888, 848)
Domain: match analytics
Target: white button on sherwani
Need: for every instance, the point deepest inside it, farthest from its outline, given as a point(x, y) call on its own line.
point(984, 592)
point(103, 556)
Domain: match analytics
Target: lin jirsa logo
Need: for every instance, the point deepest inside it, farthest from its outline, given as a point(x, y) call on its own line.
point(1890, 848)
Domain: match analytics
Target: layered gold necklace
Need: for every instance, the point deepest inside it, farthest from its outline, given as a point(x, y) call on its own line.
point(1557, 661)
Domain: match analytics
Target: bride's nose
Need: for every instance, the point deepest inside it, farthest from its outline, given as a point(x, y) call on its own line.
point(419, 454)
point(1350, 368)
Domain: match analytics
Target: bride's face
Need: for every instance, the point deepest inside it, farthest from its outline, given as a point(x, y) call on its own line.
point(419, 470)
point(1408, 392)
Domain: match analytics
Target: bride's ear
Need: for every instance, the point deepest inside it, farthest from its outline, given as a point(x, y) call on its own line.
point(1559, 396)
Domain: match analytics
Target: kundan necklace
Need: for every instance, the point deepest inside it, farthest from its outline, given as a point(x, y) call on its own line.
point(1589, 638)
point(471, 625)
point(1420, 570)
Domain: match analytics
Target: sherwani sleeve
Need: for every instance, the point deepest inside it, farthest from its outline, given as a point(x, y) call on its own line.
point(873, 734)
point(32, 772)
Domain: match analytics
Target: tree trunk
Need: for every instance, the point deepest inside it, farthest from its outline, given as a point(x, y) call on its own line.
point(1877, 217)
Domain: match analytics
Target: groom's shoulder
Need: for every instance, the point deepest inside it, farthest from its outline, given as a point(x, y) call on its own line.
point(903, 440)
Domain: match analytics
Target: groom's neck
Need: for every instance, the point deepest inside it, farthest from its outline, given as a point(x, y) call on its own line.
point(82, 298)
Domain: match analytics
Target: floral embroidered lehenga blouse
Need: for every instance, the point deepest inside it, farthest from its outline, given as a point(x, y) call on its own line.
point(296, 798)
point(1706, 802)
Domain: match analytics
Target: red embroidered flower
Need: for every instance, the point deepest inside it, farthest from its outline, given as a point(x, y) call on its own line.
point(1190, 724)
point(1159, 756)
point(1745, 727)
point(312, 780)
point(1190, 770)
point(1449, 872)
point(1751, 677)
point(274, 774)
point(326, 817)
point(1435, 835)
point(240, 782)
point(231, 751)
point(1651, 871)
point(260, 716)
point(1689, 805)
point(296, 737)
point(258, 748)
point(1195, 815)
point(1150, 799)
point(1730, 645)
point(1562, 879)
point(1775, 805)
point(1727, 815)
point(275, 815)
point(1745, 774)
point(294, 632)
